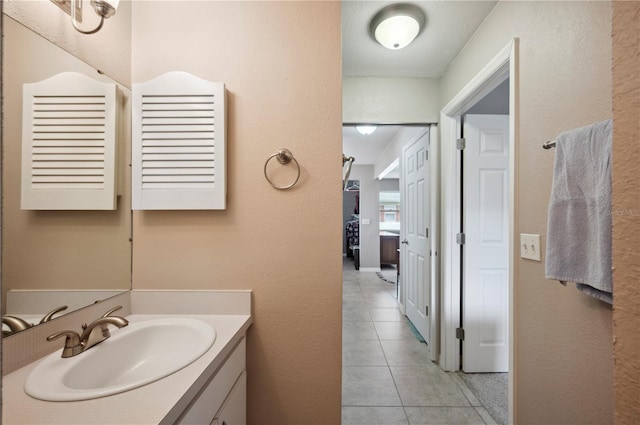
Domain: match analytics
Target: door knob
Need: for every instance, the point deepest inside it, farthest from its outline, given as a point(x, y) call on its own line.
point(405, 242)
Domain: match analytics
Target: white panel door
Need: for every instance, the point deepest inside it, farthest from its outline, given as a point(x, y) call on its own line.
point(485, 289)
point(415, 272)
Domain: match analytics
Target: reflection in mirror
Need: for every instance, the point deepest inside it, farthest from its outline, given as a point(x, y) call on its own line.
point(351, 217)
point(54, 262)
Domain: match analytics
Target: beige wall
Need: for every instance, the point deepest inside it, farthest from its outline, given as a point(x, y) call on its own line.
point(564, 338)
point(626, 192)
point(280, 62)
point(369, 209)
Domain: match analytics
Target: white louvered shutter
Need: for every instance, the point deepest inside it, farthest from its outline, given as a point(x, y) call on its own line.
point(69, 144)
point(179, 159)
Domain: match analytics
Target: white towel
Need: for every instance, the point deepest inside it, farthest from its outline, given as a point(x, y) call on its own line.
point(579, 221)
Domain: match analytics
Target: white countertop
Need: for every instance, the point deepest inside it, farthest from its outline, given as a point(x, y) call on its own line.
point(159, 402)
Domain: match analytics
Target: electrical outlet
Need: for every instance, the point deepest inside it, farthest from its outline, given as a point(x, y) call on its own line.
point(366, 221)
point(530, 246)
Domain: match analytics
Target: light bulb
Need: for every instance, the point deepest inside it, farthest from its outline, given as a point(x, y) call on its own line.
point(366, 129)
point(397, 31)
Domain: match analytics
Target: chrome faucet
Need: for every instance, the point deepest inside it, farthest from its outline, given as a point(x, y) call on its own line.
point(92, 334)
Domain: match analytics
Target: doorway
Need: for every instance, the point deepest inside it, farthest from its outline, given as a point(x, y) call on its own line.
point(387, 200)
point(485, 229)
point(502, 70)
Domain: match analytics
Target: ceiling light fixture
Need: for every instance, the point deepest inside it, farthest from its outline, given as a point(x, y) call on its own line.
point(366, 130)
point(397, 25)
point(104, 9)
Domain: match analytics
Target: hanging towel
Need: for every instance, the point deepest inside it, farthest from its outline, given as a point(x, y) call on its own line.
point(579, 220)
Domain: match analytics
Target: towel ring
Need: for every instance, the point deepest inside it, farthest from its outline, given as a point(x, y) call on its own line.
point(284, 156)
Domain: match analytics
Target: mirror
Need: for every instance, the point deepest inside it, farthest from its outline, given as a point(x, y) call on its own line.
point(52, 259)
point(350, 217)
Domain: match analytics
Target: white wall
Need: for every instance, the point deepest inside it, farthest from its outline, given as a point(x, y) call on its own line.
point(381, 100)
point(390, 185)
point(393, 151)
point(369, 209)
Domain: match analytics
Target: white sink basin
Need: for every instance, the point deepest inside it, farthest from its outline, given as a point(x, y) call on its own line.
point(136, 355)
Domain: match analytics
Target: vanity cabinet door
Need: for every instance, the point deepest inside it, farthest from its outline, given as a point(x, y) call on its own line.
point(234, 409)
point(211, 399)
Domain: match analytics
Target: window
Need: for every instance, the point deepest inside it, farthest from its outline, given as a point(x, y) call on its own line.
point(390, 211)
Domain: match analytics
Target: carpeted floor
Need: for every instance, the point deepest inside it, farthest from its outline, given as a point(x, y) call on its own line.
point(492, 391)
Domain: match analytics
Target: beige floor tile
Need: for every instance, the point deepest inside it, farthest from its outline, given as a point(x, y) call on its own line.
point(373, 416)
point(359, 330)
point(486, 416)
point(427, 386)
point(354, 301)
point(355, 315)
point(465, 389)
point(393, 330)
point(368, 386)
point(350, 289)
point(406, 352)
point(369, 292)
point(443, 416)
point(380, 300)
point(385, 367)
point(386, 315)
point(362, 352)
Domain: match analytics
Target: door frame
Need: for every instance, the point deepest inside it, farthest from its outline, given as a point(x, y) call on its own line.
point(504, 65)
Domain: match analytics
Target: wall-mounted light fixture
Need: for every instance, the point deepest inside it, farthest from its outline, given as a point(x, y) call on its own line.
point(397, 25)
point(104, 9)
point(365, 130)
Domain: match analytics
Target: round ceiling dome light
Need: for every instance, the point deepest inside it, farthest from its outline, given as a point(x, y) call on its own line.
point(366, 130)
point(397, 25)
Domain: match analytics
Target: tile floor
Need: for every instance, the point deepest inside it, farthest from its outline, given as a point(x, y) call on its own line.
point(387, 377)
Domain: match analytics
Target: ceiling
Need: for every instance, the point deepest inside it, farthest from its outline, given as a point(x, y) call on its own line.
point(450, 24)
point(366, 149)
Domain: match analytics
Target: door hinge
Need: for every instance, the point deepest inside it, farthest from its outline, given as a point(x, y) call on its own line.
point(461, 143)
point(426, 231)
point(426, 310)
point(460, 333)
point(426, 155)
point(460, 238)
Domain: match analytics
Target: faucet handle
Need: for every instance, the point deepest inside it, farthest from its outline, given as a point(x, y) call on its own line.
point(50, 314)
point(72, 344)
point(114, 309)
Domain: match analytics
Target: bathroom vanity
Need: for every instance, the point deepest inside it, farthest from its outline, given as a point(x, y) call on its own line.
point(210, 390)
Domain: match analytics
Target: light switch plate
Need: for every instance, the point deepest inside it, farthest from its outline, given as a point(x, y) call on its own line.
point(530, 246)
